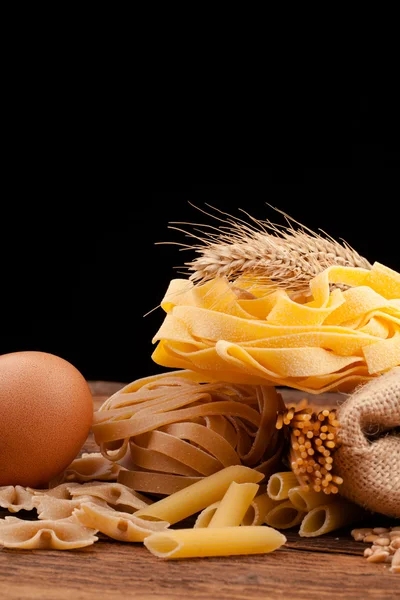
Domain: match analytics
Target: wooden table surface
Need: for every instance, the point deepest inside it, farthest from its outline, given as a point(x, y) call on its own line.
point(327, 567)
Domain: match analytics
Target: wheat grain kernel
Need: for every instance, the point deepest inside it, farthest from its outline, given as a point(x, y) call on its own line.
point(371, 537)
point(382, 541)
point(380, 530)
point(378, 556)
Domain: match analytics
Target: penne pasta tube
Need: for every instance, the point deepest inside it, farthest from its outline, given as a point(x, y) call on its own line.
point(284, 516)
point(329, 517)
point(205, 516)
point(280, 483)
point(258, 509)
point(234, 505)
point(197, 496)
point(224, 541)
point(306, 500)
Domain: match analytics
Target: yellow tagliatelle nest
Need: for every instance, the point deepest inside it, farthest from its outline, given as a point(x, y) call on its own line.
point(329, 340)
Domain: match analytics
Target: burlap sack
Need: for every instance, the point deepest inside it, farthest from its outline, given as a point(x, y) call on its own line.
point(369, 456)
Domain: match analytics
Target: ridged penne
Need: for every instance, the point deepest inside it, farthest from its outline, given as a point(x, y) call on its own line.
point(234, 505)
point(199, 495)
point(280, 483)
point(209, 541)
point(306, 500)
point(284, 516)
point(260, 506)
point(328, 517)
point(204, 517)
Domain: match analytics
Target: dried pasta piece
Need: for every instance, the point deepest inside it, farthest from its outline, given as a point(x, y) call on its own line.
point(306, 499)
point(196, 497)
point(88, 467)
point(204, 517)
point(160, 484)
point(208, 541)
point(52, 508)
point(254, 515)
point(15, 498)
point(56, 535)
point(234, 505)
point(258, 509)
point(328, 340)
point(284, 515)
point(184, 430)
point(62, 491)
point(117, 525)
point(280, 484)
point(114, 494)
point(329, 517)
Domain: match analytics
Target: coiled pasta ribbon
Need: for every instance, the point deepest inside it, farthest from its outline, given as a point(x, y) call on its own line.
point(330, 340)
point(172, 429)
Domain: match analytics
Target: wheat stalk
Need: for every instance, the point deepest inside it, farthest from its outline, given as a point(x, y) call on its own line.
point(276, 256)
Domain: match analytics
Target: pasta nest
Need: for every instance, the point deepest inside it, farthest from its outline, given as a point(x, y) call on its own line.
point(172, 429)
point(325, 340)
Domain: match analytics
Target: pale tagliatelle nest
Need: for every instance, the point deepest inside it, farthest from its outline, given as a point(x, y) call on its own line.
point(172, 429)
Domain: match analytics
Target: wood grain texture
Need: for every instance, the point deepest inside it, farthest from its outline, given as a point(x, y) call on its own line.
point(304, 569)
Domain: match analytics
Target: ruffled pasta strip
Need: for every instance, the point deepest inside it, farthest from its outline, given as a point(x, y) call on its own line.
point(61, 491)
point(117, 525)
point(88, 467)
point(15, 498)
point(329, 517)
point(51, 508)
point(331, 340)
point(117, 495)
point(208, 541)
point(181, 429)
point(55, 535)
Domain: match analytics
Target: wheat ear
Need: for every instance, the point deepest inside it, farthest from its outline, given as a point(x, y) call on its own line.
point(276, 256)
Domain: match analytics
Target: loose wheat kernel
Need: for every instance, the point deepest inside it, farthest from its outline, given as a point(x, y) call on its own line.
point(382, 541)
point(370, 538)
point(379, 530)
point(378, 556)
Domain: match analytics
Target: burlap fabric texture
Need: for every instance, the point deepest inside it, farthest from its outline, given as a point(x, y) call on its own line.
point(369, 456)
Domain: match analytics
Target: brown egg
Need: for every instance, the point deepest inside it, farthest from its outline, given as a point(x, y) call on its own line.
point(46, 411)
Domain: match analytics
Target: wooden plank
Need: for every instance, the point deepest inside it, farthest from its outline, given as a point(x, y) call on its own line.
point(113, 570)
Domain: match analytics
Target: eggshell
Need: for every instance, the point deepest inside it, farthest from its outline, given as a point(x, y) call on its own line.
point(46, 412)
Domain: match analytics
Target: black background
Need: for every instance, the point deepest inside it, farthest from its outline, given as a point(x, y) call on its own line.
point(86, 213)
